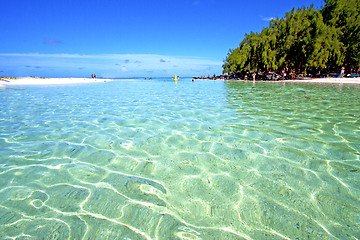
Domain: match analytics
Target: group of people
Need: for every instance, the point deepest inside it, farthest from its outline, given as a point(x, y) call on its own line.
point(342, 72)
point(93, 76)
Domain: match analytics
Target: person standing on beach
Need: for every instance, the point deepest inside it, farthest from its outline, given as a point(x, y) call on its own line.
point(283, 74)
point(342, 73)
point(254, 77)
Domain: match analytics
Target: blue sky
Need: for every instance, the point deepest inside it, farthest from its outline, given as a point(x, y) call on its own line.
point(134, 38)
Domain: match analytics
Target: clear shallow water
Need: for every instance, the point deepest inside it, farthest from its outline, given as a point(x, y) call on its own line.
point(158, 160)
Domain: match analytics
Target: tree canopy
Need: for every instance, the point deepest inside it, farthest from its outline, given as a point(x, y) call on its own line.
point(305, 40)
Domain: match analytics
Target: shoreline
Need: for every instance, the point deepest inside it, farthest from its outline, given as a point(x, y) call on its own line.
point(328, 80)
point(53, 81)
point(311, 80)
point(49, 81)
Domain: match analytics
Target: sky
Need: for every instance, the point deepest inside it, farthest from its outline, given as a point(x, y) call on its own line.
point(128, 38)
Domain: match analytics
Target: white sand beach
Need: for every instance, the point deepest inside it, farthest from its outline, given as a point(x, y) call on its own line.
point(328, 80)
point(49, 81)
point(53, 81)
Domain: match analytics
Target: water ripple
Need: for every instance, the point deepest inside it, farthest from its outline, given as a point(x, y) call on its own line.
point(202, 160)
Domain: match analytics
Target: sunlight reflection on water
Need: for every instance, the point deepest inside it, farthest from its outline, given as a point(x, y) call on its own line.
point(192, 160)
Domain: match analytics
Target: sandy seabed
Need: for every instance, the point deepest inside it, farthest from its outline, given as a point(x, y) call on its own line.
point(50, 81)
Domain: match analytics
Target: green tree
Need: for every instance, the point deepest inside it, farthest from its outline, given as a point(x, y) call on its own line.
point(238, 59)
point(269, 51)
point(255, 52)
point(306, 39)
point(327, 48)
point(302, 36)
point(344, 16)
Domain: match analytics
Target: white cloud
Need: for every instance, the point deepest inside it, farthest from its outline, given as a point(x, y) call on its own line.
point(108, 64)
point(268, 19)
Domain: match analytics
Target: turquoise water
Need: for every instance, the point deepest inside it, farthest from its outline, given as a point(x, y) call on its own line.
point(192, 160)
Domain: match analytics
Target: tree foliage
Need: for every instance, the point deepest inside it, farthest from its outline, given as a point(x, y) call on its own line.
point(305, 40)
